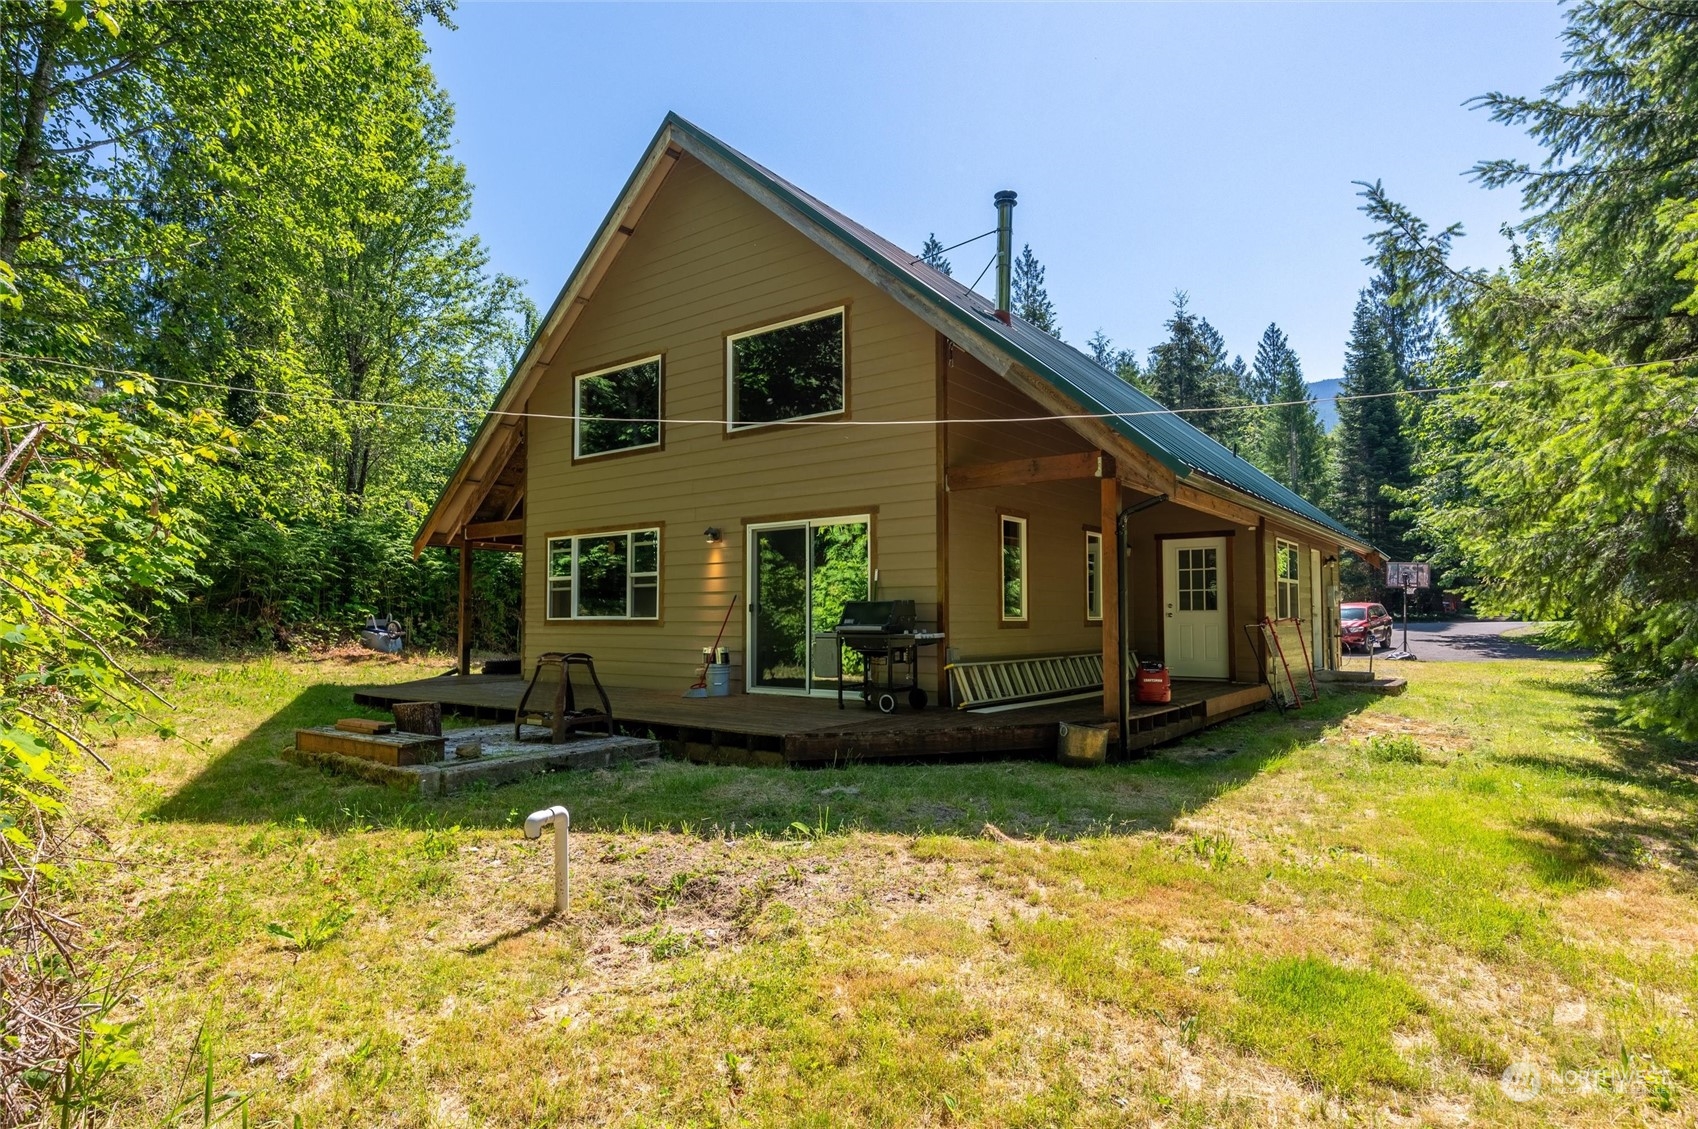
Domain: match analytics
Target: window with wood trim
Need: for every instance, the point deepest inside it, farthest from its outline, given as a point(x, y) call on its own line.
point(1013, 568)
point(1286, 566)
point(605, 575)
point(792, 370)
point(617, 409)
point(1093, 575)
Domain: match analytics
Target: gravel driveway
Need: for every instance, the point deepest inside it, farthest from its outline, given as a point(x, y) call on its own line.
point(1469, 640)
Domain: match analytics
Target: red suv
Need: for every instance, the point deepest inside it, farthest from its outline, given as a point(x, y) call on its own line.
point(1364, 625)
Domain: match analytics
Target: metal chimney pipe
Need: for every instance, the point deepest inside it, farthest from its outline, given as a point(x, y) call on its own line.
point(1005, 256)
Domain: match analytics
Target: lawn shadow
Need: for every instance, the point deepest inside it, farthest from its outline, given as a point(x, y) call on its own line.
point(251, 784)
point(1646, 783)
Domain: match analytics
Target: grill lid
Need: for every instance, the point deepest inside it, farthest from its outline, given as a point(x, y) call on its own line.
point(877, 615)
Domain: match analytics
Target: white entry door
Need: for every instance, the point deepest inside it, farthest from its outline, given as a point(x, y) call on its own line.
point(1194, 607)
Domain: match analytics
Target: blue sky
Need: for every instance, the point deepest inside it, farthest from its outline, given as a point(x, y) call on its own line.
point(1204, 147)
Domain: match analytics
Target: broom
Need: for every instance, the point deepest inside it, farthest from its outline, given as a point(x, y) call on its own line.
point(701, 683)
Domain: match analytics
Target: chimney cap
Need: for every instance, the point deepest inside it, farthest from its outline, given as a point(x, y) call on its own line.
point(1006, 194)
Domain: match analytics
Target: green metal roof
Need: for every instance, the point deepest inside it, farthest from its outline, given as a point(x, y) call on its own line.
point(1165, 436)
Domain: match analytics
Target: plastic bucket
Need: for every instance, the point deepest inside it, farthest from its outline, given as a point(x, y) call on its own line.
point(719, 680)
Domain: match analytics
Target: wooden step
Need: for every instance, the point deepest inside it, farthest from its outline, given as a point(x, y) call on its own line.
point(382, 748)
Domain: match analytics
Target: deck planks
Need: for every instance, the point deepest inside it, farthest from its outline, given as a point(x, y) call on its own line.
point(780, 729)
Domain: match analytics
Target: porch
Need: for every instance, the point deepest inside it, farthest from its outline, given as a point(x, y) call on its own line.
point(778, 729)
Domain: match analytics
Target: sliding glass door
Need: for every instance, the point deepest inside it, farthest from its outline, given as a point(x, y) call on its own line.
point(801, 573)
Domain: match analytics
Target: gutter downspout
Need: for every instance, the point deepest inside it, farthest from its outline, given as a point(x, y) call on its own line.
point(1005, 256)
point(1121, 547)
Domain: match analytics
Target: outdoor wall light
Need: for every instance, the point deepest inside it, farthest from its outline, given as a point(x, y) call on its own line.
point(712, 535)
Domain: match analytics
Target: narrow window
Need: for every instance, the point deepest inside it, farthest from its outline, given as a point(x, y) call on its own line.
point(1286, 579)
point(559, 578)
point(1013, 568)
point(792, 370)
point(617, 409)
point(1093, 575)
point(605, 576)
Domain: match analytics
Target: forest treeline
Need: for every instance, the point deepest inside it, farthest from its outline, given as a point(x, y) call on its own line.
point(244, 334)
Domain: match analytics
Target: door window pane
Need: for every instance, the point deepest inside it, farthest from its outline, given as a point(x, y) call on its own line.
point(1198, 580)
point(839, 575)
point(781, 609)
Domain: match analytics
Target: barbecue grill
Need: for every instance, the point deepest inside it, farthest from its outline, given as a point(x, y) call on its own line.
point(883, 630)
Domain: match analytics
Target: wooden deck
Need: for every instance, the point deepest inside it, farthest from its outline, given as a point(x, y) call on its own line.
point(776, 729)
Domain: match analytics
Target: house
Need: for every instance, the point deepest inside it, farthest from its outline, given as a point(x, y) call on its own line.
point(743, 395)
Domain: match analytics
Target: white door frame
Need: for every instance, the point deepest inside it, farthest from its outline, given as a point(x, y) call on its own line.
point(1317, 614)
point(749, 580)
point(1222, 545)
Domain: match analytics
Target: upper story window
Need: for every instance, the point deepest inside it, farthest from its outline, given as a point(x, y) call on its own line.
point(617, 409)
point(1286, 578)
point(1093, 574)
point(792, 370)
point(1013, 568)
point(605, 575)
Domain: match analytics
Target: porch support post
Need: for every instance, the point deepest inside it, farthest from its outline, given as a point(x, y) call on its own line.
point(1113, 617)
point(465, 639)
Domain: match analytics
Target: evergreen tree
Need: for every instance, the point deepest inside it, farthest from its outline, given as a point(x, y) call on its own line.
point(1189, 371)
point(1405, 322)
point(1273, 354)
point(1121, 362)
point(1558, 473)
point(1290, 444)
point(1031, 300)
point(1373, 453)
point(932, 255)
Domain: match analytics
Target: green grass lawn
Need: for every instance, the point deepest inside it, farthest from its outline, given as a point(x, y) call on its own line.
point(1368, 911)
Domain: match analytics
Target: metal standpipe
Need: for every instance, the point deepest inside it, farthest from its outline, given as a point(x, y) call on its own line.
point(561, 820)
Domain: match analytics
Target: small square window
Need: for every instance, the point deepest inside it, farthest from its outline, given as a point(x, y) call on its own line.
point(617, 409)
point(793, 370)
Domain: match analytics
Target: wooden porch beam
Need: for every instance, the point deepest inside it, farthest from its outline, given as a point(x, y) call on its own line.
point(492, 530)
point(1196, 499)
point(1026, 472)
point(1110, 581)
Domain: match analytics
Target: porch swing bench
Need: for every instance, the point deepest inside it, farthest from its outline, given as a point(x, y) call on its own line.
point(551, 700)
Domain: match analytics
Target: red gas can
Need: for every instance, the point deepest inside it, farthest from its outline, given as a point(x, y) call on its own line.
point(1154, 686)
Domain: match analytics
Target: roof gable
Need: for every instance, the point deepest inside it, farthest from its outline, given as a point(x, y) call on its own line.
point(958, 312)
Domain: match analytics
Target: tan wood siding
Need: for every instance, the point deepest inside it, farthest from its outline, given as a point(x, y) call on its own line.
point(1144, 580)
point(705, 261)
point(1056, 512)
